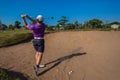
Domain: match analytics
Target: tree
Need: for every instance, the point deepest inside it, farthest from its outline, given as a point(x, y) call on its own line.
point(63, 21)
point(24, 27)
point(17, 25)
point(115, 23)
point(10, 26)
point(51, 28)
point(1, 27)
point(69, 26)
point(57, 27)
point(76, 24)
point(95, 23)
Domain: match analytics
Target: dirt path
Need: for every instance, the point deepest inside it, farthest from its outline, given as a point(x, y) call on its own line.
point(82, 55)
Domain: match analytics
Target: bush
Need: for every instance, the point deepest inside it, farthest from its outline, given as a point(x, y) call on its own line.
point(4, 75)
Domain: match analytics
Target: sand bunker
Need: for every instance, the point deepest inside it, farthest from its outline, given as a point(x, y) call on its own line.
point(82, 55)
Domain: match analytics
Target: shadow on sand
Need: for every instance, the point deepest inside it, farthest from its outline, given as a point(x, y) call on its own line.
point(13, 75)
point(59, 60)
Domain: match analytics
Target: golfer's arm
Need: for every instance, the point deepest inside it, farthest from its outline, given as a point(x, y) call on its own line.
point(25, 22)
point(33, 21)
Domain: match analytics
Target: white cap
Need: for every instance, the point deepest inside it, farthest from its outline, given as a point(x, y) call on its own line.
point(40, 18)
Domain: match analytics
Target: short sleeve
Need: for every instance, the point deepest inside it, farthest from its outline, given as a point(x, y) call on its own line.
point(31, 27)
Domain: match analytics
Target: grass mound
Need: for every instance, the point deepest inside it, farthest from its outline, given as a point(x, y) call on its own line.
point(8, 38)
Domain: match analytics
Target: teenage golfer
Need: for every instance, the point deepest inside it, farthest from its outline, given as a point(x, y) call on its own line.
point(38, 28)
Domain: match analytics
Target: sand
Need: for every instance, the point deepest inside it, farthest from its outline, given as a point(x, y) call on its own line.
point(81, 55)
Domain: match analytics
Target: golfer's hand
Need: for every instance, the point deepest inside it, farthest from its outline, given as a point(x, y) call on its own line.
point(23, 15)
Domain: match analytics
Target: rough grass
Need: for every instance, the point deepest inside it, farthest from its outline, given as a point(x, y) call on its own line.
point(8, 38)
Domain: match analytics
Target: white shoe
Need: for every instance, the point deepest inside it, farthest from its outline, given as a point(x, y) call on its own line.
point(42, 65)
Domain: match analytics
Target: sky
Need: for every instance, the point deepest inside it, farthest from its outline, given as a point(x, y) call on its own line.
point(74, 10)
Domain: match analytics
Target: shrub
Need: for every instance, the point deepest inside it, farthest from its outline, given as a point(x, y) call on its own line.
point(4, 75)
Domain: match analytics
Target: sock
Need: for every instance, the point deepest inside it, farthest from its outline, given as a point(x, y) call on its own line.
point(37, 66)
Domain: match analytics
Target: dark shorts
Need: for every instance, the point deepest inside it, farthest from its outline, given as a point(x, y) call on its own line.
point(38, 45)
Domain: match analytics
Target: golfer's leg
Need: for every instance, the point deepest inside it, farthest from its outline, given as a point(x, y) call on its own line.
point(38, 57)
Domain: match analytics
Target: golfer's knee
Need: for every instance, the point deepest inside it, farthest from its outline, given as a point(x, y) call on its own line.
point(39, 52)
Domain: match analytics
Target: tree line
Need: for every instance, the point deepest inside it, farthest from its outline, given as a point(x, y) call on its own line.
point(10, 26)
point(64, 24)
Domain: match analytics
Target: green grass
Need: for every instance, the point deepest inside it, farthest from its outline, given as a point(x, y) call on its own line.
point(8, 38)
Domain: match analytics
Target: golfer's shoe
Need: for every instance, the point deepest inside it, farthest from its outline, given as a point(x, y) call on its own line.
point(36, 70)
point(42, 65)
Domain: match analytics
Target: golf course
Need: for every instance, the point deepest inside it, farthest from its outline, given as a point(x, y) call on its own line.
point(69, 55)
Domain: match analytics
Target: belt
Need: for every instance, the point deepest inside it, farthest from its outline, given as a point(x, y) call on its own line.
point(38, 38)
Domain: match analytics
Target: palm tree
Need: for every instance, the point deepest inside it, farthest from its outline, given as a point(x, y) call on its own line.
point(63, 21)
point(17, 25)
